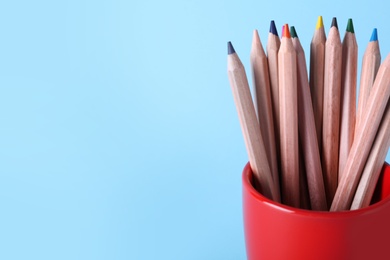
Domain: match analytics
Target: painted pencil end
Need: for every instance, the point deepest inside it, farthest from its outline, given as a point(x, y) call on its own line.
point(230, 48)
point(272, 28)
point(350, 26)
point(286, 31)
point(374, 35)
point(334, 23)
point(293, 32)
point(320, 23)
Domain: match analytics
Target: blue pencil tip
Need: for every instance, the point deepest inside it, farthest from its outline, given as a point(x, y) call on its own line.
point(230, 48)
point(374, 35)
point(272, 28)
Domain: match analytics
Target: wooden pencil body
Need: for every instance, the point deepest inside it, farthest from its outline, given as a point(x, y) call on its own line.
point(263, 105)
point(348, 98)
point(331, 113)
point(317, 66)
point(273, 45)
point(370, 66)
point(308, 135)
point(289, 145)
point(250, 126)
point(364, 138)
point(374, 164)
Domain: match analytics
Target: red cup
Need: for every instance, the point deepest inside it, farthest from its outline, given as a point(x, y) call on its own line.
point(275, 231)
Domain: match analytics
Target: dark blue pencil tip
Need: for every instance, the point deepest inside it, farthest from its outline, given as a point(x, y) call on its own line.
point(374, 36)
point(230, 48)
point(334, 23)
point(272, 28)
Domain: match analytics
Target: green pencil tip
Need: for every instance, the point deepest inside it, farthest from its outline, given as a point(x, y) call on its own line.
point(293, 32)
point(350, 26)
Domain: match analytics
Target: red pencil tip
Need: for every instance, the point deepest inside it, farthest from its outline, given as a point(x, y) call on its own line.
point(286, 31)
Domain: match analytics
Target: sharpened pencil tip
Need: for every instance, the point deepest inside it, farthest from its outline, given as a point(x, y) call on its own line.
point(350, 26)
point(374, 35)
point(293, 32)
point(256, 37)
point(272, 28)
point(286, 31)
point(320, 23)
point(334, 23)
point(230, 48)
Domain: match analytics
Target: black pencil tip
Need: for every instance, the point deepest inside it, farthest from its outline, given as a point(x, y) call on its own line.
point(334, 23)
point(230, 48)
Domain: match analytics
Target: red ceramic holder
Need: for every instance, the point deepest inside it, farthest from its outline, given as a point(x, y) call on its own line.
point(275, 231)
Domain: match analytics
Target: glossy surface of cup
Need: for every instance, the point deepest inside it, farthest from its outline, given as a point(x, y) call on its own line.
point(275, 231)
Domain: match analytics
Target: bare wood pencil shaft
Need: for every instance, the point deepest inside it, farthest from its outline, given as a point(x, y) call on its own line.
point(348, 98)
point(250, 126)
point(263, 103)
point(331, 112)
point(317, 64)
point(289, 146)
point(364, 138)
point(374, 164)
point(272, 47)
point(370, 66)
point(308, 135)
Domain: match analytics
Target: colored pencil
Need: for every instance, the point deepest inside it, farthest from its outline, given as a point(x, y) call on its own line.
point(374, 164)
point(331, 111)
point(365, 135)
point(309, 144)
point(272, 47)
point(370, 65)
point(249, 124)
point(348, 95)
point(289, 146)
point(317, 63)
point(263, 104)
point(307, 131)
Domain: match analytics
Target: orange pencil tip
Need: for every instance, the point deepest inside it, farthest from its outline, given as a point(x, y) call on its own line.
point(286, 31)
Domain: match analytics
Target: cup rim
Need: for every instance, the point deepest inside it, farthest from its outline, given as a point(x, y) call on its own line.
point(247, 185)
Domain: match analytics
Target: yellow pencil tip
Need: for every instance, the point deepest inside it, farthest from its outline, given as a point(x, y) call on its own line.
point(320, 23)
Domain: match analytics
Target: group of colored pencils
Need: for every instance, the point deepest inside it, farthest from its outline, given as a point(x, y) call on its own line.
point(309, 144)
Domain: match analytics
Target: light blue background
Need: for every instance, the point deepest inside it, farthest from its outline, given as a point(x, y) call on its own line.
point(119, 137)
